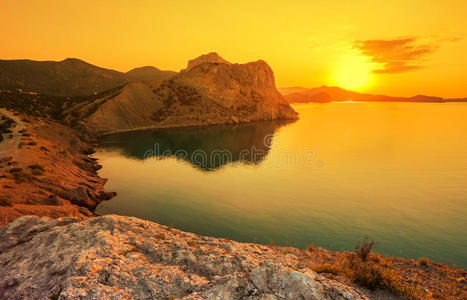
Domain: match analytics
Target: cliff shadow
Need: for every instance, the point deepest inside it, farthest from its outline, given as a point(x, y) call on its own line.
point(205, 148)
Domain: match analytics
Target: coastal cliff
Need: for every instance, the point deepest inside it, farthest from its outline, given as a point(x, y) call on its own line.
point(210, 91)
point(45, 170)
point(128, 258)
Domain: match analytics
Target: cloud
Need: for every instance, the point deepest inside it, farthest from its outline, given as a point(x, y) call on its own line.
point(396, 56)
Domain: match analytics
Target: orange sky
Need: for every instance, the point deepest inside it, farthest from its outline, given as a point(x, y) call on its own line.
point(401, 48)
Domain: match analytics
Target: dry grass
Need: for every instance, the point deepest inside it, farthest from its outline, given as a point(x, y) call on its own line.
point(192, 243)
point(423, 261)
point(374, 276)
point(363, 250)
point(131, 250)
point(160, 236)
point(370, 270)
point(333, 269)
point(310, 248)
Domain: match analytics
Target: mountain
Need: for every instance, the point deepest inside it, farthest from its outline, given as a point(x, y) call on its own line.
point(206, 93)
point(149, 73)
point(329, 94)
point(212, 58)
point(69, 77)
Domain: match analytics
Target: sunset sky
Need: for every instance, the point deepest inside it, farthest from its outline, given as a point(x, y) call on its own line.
point(397, 47)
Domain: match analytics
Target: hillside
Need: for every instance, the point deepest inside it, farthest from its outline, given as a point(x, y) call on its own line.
point(45, 171)
point(329, 94)
point(70, 77)
point(149, 73)
point(208, 93)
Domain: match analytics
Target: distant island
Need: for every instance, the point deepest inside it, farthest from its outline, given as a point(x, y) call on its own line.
point(326, 94)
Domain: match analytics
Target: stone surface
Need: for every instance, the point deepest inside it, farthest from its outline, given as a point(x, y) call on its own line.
point(211, 57)
point(209, 92)
point(114, 257)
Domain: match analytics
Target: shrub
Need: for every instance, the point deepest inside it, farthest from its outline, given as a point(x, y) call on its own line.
point(423, 261)
point(52, 200)
point(160, 236)
point(20, 175)
point(363, 251)
point(192, 243)
point(328, 268)
point(374, 276)
point(36, 169)
point(16, 170)
point(5, 202)
point(37, 172)
point(125, 252)
point(310, 248)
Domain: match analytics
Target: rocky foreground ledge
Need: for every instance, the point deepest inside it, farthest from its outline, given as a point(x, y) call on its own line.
point(114, 257)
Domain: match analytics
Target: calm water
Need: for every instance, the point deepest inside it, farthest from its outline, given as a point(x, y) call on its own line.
point(395, 172)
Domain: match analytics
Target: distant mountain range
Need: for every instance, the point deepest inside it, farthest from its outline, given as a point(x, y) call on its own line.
point(69, 77)
point(330, 94)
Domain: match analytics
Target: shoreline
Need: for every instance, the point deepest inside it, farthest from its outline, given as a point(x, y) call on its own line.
point(168, 127)
point(47, 171)
point(68, 166)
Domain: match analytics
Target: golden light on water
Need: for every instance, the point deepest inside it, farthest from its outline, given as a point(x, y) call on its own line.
point(352, 72)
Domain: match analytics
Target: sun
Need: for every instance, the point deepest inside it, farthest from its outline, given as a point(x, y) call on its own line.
point(352, 72)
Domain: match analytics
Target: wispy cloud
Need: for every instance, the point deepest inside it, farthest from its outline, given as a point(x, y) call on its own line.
point(398, 55)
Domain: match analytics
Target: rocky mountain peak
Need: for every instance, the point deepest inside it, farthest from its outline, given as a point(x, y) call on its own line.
point(211, 57)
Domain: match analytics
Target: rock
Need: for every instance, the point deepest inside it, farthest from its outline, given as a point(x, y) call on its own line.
point(210, 91)
point(113, 257)
point(206, 58)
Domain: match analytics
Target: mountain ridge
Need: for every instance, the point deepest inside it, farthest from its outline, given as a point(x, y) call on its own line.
point(330, 94)
point(68, 77)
